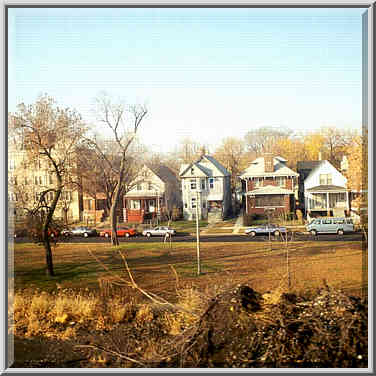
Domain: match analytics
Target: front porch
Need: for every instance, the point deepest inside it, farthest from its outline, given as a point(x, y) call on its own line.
point(327, 203)
point(141, 209)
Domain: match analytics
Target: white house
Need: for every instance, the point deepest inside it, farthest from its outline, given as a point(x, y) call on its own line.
point(322, 188)
point(206, 188)
point(154, 192)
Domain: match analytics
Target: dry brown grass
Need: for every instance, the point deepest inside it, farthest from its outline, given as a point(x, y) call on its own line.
point(256, 263)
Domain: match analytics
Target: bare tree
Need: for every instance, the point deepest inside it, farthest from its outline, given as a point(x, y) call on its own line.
point(231, 154)
point(189, 150)
point(263, 139)
point(48, 135)
point(336, 142)
point(123, 122)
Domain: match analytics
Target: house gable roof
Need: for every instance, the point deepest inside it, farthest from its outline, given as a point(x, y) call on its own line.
point(321, 164)
point(198, 168)
point(257, 168)
point(207, 165)
point(307, 165)
point(165, 174)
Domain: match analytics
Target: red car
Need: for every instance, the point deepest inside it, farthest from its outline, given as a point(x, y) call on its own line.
point(127, 232)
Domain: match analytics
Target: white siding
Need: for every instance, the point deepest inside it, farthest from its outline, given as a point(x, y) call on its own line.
point(313, 179)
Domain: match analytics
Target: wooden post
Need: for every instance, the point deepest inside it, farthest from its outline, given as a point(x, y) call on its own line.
point(197, 237)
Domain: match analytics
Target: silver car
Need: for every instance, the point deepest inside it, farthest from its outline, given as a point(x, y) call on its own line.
point(159, 231)
point(80, 231)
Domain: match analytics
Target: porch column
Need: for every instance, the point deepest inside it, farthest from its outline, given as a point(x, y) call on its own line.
point(327, 203)
point(348, 202)
point(308, 202)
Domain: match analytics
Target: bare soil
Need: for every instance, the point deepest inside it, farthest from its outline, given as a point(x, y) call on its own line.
point(262, 267)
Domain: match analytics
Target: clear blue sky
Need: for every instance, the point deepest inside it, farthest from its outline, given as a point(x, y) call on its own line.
point(204, 73)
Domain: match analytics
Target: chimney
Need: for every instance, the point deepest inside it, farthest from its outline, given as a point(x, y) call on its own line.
point(269, 163)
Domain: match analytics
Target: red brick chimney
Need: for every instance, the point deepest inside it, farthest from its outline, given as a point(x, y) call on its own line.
point(269, 163)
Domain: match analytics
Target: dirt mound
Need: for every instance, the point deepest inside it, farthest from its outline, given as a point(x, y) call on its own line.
point(242, 329)
point(239, 328)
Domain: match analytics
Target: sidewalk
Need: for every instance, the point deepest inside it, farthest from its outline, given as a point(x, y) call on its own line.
point(238, 224)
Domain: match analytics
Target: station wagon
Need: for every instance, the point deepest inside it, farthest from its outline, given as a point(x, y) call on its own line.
point(330, 225)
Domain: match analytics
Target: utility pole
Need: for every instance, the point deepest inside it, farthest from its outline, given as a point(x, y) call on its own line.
point(198, 236)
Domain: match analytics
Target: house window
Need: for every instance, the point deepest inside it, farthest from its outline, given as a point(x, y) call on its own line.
point(193, 203)
point(139, 187)
point(66, 195)
point(135, 204)
point(26, 181)
point(269, 200)
point(202, 183)
point(193, 184)
point(50, 179)
point(204, 205)
point(281, 181)
point(89, 204)
point(40, 180)
point(12, 164)
point(192, 171)
point(211, 183)
point(325, 179)
point(150, 186)
point(258, 182)
point(186, 205)
point(36, 180)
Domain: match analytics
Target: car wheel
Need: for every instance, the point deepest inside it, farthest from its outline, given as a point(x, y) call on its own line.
point(148, 235)
point(106, 235)
point(252, 233)
point(127, 235)
point(277, 233)
point(340, 232)
point(313, 232)
point(86, 234)
point(52, 235)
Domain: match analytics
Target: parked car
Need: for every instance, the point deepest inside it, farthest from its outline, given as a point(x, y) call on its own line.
point(127, 232)
point(37, 234)
point(330, 225)
point(159, 231)
point(80, 231)
point(265, 230)
point(20, 232)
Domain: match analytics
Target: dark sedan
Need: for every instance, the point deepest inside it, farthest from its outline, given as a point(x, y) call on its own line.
point(80, 231)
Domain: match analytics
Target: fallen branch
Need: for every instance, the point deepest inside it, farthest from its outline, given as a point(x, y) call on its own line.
point(118, 354)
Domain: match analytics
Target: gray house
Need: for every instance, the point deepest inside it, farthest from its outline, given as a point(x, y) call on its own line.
point(206, 188)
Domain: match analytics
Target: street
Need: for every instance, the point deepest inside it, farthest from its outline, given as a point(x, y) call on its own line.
point(220, 238)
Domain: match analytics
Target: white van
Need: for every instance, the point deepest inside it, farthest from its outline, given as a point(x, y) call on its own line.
point(330, 225)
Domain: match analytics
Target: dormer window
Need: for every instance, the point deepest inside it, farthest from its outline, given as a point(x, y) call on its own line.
point(192, 171)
